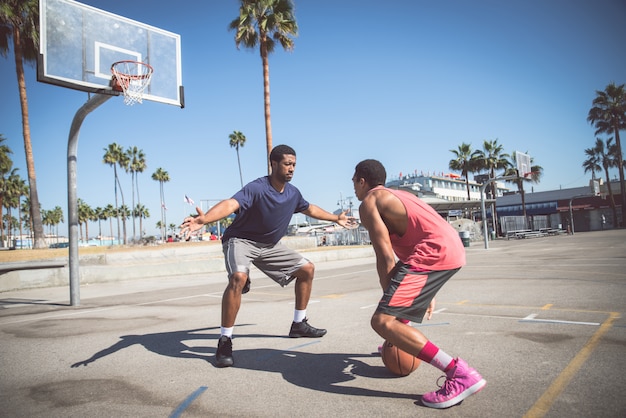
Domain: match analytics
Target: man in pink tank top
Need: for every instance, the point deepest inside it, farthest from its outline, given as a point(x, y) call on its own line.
point(429, 252)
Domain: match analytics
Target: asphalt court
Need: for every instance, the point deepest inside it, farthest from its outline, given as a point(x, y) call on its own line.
point(541, 319)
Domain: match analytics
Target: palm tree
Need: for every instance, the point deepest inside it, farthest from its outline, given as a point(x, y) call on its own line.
point(14, 188)
point(600, 157)
point(464, 163)
point(57, 218)
point(85, 214)
point(263, 23)
point(109, 213)
point(237, 139)
point(491, 158)
point(19, 21)
point(114, 156)
point(608, 115)
point(162, 177)
point(124, 213)
point(142, 213)
point(536, 172)
point(136, 164)
point(6, 165)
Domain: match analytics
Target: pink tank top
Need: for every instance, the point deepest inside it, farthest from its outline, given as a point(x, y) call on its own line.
point(430, 242)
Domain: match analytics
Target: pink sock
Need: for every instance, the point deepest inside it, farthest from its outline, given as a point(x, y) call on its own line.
point(431, 354)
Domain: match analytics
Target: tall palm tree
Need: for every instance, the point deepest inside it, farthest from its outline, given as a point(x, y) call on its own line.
point(162, 177)
point(608, 115)
point(19, 21)
point(85, 214)
point(57, 218)
point(124, 213)
point(109, 213)
point(14, 188)
point(142, 213)
point(464, 163)
point(136, 164)
point(114, 156)
point(236, 140)
point(6, 165)
point(600, 157)
point(491, 158)
point(536, 172)
point(263, 23)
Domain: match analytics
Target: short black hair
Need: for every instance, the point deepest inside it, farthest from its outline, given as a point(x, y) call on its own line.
point(372, 171)
point(279, 151)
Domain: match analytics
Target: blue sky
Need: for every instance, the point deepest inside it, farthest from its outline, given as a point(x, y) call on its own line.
point(400, 81)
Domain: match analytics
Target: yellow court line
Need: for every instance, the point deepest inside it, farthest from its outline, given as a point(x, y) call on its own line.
point(544, 403)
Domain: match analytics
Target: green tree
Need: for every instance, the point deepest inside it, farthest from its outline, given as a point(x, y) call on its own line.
point(6, 166)
point(114, 156)
point(136, 164)
point(601, 157)
point(56, 219)
point(464, 162)
point(142, 213)
point(237, 140)
point(124, 213)
point(109, 213)
point(85, 214)
point(608, 115)
point(162, 177)
point(19, 21)
point(14, 188)
point(492, 158)
point(263, 23)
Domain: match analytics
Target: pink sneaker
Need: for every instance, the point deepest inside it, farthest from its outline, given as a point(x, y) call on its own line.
point(461, 382)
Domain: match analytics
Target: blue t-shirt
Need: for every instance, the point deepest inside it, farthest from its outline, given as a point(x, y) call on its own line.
point(264, 213)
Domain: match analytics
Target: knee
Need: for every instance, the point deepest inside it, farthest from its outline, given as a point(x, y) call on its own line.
point(237, 281)
point(306, 272)
point(380, 323)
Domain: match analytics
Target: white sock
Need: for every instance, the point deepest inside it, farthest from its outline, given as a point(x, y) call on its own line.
point(226, 331)
point(298, 316)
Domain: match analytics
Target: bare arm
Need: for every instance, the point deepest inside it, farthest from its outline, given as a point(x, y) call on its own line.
point(318, 213)
point(217, 212)
point(379, 235)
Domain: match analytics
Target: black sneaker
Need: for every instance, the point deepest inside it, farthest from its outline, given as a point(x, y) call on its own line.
point(246, 287)
point(224, 353)
point(303, 329)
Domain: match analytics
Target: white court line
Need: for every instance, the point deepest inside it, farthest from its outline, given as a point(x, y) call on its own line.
point(531, 318)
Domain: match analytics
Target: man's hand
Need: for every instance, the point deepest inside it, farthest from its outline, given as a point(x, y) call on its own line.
point(348, 222)
point(431, 309)
point(192, 223)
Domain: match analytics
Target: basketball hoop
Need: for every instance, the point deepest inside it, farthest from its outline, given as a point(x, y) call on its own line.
point(131, 78)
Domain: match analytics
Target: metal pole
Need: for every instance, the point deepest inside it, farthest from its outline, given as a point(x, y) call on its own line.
point(72, 197)
point(483, 212)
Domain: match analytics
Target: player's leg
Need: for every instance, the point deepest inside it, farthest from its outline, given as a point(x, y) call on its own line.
point(285, 265)
point(408, 296)
point(237, 257)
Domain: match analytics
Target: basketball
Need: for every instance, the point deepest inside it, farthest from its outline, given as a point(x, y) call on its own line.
point(397, 361)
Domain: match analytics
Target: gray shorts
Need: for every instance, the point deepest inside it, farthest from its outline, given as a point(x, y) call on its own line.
point(277, 261)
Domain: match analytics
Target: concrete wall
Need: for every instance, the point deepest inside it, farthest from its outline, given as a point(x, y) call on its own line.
point(162, 261)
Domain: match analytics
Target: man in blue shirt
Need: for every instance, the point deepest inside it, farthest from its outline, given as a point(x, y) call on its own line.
point(264, 208)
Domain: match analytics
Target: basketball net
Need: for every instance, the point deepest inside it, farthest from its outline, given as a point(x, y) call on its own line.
point(131, 78)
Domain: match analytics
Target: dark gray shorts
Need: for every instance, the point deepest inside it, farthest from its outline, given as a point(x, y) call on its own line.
point(410, 292)
point(277, 261)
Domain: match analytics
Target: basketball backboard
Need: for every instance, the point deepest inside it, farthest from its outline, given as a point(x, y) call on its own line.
point(523, 163)
point(79, 43)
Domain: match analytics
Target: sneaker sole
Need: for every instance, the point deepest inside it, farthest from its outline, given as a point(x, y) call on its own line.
point(475, 388)
point(228, 362)
point(306, 336)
